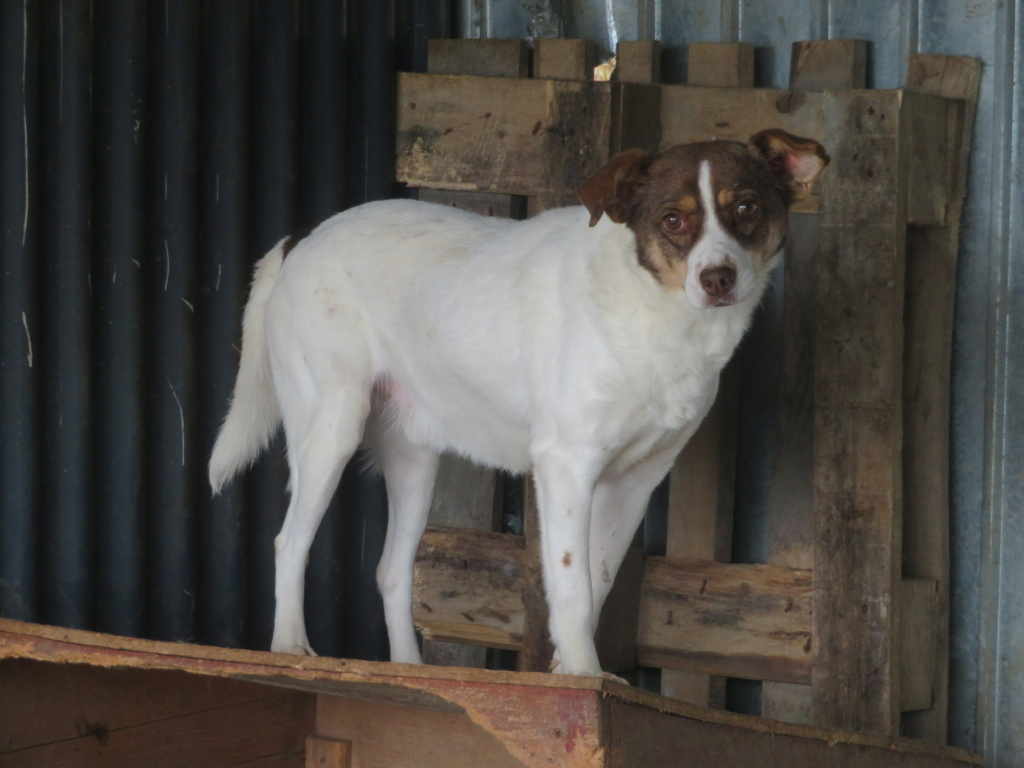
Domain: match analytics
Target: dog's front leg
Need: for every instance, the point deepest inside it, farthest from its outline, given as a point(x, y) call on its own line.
point(564, 492)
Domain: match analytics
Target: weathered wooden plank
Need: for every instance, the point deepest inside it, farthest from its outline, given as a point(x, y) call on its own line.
point(751, 621)
point(791, 515)
point(931, 277)
point(858, 419)
point(514, 136)
point(640, 740)
point(919, 638)
point(791, 502)
point(636, 117)
point(328, 753)
point(819, 65)
point(741, 620)
point(464, 498)
point(931, 123)
point(541, 719)
point(638, 61)
point(483, 58)
point(392, 735)
point(563, 59)
point(84, 716)
point(45, 703)
point(690, 113)
point(469, 587)
point(721, 65)
point(700, 506)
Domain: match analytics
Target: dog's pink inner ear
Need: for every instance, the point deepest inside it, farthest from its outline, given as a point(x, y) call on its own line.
point(613, 188)
point(796, 160)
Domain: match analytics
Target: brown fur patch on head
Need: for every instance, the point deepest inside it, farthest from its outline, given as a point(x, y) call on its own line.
point(567, 559)
point(615, 187)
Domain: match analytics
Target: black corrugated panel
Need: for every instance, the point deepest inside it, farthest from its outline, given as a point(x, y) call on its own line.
point(150, 153)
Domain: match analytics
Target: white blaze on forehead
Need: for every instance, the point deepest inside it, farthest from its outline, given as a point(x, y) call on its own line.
point(716, 247)
point(707, 198)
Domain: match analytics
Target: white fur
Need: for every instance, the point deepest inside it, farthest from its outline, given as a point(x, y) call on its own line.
point(540, 345)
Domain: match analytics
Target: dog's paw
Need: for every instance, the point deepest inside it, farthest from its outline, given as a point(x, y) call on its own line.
point(295, 649)
point(557, 669)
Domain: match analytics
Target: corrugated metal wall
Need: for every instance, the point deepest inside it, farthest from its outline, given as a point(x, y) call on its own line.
point(150, 152)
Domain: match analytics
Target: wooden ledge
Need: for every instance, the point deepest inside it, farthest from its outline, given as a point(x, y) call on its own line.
point(536, 717)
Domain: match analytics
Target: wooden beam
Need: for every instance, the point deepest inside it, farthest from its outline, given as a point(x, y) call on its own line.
point(721, 65)
point(919, 638)
point(700, 506)
point(931, 288)
point(562, 59)
point(791, 505)
point(750, 621)
point(483, 58)
point(858, 417)
point(740, 620)
point(638, 61)
point(469, 587)
point(470, 717)
point(531, 137)
point(328, 753)
point(818, 65)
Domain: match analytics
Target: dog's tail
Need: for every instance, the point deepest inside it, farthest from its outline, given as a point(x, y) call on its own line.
point(254, 414)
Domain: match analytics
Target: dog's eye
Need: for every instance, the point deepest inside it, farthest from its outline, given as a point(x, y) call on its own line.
point(673, 222)
point(746, 210)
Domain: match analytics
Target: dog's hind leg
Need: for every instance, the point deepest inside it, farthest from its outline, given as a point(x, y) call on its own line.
point(321, 440)
point(409, 473)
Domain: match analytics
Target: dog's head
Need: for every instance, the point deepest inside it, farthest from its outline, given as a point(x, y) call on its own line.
point(709, 218)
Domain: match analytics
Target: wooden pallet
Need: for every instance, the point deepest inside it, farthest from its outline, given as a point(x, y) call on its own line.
point(847, 623)
point(79, 698)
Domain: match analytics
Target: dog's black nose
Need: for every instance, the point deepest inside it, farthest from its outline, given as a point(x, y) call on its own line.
point(718, 281)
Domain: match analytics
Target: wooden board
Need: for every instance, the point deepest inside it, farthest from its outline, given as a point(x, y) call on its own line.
point(82, 715)
point(749, 621)
point(858, 417)
point(721, 65)
point(498, 718)
point(931, 288)
point(727, 619)
point(791, 503)
point(483, 58)
point(638, 61)
point(469, 587)
point(528, 137)
point(819, 65)
point(561, 59)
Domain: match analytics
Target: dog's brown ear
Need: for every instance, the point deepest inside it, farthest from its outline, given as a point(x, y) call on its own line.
point(614, 188)
point(795, 160)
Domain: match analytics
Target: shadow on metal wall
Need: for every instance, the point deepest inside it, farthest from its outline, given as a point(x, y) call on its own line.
point(150, 154)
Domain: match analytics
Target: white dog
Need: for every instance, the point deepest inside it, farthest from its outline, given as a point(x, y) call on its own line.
point(583, 345)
